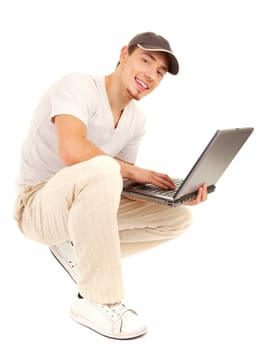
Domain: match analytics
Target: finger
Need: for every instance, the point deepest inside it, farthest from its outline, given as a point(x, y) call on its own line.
point(199, 195)
point(205, 196)
point(163, 181)
point(160, 183)
point(191, 203)
point(202, 196)
point(168, 181)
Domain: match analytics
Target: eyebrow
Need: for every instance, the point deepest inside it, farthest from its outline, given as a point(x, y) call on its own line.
point(149, 54)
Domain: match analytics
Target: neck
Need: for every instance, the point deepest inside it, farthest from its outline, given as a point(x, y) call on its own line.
point(118, 98)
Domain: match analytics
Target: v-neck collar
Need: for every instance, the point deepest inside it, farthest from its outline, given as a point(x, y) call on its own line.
point(111, 117)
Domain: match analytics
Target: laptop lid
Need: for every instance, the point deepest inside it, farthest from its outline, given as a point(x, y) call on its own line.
point(214, 160)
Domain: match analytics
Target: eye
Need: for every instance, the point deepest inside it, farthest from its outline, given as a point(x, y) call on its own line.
point(145, 61)
point(160, 73)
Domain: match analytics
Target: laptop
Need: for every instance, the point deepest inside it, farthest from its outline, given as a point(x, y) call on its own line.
point(211, 164)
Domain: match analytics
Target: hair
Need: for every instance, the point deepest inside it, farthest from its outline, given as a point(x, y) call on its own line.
point(131, 49)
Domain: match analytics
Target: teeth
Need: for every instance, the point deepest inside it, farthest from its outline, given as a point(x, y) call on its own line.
point(141, 83)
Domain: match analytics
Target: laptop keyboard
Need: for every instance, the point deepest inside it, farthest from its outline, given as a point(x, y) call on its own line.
point(157, 190)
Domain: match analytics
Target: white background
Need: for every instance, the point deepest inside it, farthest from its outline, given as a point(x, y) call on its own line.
point(207, 290)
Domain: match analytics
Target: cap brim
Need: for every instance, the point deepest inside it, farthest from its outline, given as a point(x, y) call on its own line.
point(173, 62)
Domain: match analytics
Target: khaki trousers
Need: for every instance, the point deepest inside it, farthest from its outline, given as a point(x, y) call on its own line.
point(83, 203)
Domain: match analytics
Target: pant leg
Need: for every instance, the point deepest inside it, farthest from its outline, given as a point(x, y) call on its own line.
point(80, 203)
point(144, 225)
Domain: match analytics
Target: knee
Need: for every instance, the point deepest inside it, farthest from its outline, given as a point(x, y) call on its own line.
point(107, 165)
point(107, 170)
point(100, 169)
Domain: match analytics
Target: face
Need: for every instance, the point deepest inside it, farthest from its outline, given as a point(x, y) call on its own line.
point(142, 71)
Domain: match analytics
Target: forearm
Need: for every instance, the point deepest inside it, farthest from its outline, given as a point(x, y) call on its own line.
point(136, 174)
point(126, 168)
point(73, 151)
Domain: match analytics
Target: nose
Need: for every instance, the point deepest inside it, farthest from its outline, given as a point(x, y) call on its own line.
point(151, 73)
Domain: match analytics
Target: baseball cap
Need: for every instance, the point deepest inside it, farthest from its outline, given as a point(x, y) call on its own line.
point(150, 41)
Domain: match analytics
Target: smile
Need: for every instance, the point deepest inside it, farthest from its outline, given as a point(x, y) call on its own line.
point(142, 84)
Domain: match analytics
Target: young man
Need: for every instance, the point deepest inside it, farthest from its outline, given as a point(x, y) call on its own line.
point(82, 143)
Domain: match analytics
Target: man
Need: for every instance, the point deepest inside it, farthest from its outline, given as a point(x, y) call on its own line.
point(82, 143)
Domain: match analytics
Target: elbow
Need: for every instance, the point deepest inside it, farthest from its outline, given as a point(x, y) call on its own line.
point(66, 156)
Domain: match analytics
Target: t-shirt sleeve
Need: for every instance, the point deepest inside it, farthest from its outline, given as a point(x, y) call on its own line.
point(73, 95)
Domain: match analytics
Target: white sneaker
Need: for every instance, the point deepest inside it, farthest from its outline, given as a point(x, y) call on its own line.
point(64, 254)
point(114, 321)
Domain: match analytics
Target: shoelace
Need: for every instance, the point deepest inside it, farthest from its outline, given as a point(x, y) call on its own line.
point(116, 310)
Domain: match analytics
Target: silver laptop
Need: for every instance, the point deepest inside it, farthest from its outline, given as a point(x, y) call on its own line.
point(218, 154)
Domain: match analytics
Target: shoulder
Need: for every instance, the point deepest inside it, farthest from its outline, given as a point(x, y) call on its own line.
point(77, 81)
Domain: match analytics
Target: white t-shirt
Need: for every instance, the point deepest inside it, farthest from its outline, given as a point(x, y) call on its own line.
point(83, 96)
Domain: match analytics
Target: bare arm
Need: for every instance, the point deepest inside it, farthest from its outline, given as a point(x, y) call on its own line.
point(74, 147)
point(141, 175)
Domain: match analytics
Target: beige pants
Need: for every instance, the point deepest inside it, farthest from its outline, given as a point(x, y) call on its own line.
point(83, 203)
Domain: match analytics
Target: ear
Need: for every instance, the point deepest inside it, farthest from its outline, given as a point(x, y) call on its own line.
point(124, 53)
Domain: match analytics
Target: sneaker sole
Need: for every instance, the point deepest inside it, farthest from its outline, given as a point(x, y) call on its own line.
point(63, 262)
point(84, 322)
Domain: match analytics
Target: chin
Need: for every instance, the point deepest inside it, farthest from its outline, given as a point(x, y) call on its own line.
point(136, 95)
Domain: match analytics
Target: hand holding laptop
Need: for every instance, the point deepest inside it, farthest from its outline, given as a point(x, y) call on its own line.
point(163, 181)
point(209, 167)
point(202, 196)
